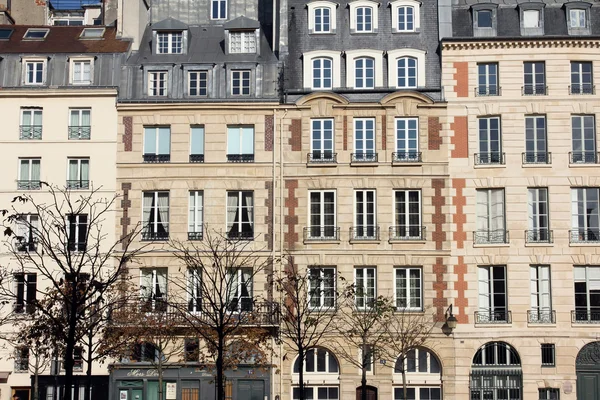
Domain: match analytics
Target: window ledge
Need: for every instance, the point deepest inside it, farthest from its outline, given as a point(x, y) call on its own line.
point(541, 325)
point(532, 165)
point(484, 245)
point(583, 165)
point(493, 325)
point(322, 241)
point(584, 244)
point(365, 241)
point(321, 164)
point(364, 163)
point(539, 244)
point(481, 166)
point(405, 241)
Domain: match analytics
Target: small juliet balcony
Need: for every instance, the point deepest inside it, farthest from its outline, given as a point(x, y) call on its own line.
point(77, 246)
point(583, 315)
point(240, 158)
point(157, 158)
point(196, 158)
point(235, 234)
point(195, 235)
point(583, 157)
point(407, 233)
point(534, 90)
point(490, 90)
point(319, 233)
point(583, 235)
point(29, 185)
point(584, 88)
point(80, 132)
point(406, 157)
point(490, 158)
point(151, 235)
point(321, 157)
point(543, 235)
point(30, 132)
point(541, 316)
point(537, 157)
point(364, 233)
point(366, 157)
point(493, 316)
point(495, 236)
point(78, 184)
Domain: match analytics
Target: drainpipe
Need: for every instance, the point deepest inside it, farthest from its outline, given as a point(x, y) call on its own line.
point(281, 201)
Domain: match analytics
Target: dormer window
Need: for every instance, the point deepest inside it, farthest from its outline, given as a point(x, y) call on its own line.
point(484, 20)
point(169, 42)
point(406, 16)
point(321, 17)
point(242, 42)
point(532, 19)
point(36, 34)
point(5, 34)
point(363, 16)
point(578, 18)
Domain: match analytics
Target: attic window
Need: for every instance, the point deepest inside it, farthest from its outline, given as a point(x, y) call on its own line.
point(92, 33)
point(242, 42)
point(36, 34)
point(5, 34)
point(169, 42)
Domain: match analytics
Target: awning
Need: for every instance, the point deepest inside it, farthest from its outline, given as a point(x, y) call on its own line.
point(4, 376)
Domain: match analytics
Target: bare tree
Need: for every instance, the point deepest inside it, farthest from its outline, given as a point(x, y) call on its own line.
point(218, 303)
point(305, 319)
point(61, 237)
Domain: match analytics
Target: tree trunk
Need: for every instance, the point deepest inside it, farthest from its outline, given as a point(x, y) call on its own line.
point(160, 376)
point(363, 381)
point(88, 372)
point(70, 345)
point(301, 372)
point(36, 382)
point(404, 388)
point(220, 368)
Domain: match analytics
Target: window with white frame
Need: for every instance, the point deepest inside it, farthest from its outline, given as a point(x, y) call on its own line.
point(155, 216)
point(496, 373)
point(25, 292)
point(240, 83)
point(406, 16)
point(534, 78)
point(240, 143)
point(490, 141)
point(321, 141)
point(29, 174)
point(408, 288)
point(424, 376)
point(198, 83)
point(78, 175)
point(587, 293)
point(406, 19)
point(487, 79)
point(577, 18)
point(169, 42)
point(582, 81)
point(407, 140)
point(585, 215)
point(153, 289)
point(157, 144)
point(318, 360)
point(531, 19)
point(321, 17)
point(322, 215)
point(364, 140)
point(157, 83)
point(195, 215)
point(536, 146)
point(364, 73)
point(407, 215)
point(194, 289)
point(78, 231)
point(197, 144)
point(363, 18)
point(322, 73)
point(583, 139)
point(242, 42)
point(548, 394)
point(322, 20)
point(239, 289)
point(365, 286)
point(493, 298)
point(491, 225)
point(80, 123)
point(407, 72)
point(27, 232)
point(321, 287)
point(31, 124)
point(34, 72)
point(538, 220)
point(81, 71)
point(218, 9)
point(240, 215)
point(321, 70)
point(541, 299)
point(365, 215)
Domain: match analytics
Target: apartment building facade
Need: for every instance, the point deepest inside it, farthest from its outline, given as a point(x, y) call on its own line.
point(519, 79)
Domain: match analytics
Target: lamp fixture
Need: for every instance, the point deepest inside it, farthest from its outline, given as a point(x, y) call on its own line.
point(451, 320)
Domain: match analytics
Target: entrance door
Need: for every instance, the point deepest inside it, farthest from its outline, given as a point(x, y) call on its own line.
point(588, 385)
point(137, 394)
point(371, 393)
point(251, 390)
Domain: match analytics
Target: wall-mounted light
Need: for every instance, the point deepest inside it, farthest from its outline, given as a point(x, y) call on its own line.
point(451, 320)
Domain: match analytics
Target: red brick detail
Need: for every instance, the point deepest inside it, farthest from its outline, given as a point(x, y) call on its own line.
point(460, 139)
point(128, 134)
point(433, 132)
point(460, 286)
point(461, 76)
point(440, 302)
point(291, 219)
point(459, 217)
point(269, 122)
point(383, 132)
point(296, 135)
point(438, 217)
point(269, 216)
point(345, 130)
point(125, 220)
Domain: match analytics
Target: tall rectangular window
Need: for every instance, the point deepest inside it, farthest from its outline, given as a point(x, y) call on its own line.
point(493, 302)
point(548, 354)
point(364, 73)
point(78, 231)
point(239, 289)
point(240, 215)
point(321, 141)
point(490, 217)
point(322, 73)
point(157, 83)
point(194, 289)
point(407, 215)
point(587, 293)
point(548, 394)
point(78, 358)
point(82, 72)
point(195, 215)
point(538, 221)
point(322, 215)
point(34, 72)
point(534, 78)
point(536, 146)
point(365, 286)
point(322, 20)
point(364, 140)
point(197, 144)
point(242, 42)
point(80, 123)
point(487, 79)
point(25, 292)
point(79, 173)
point(364, 19)
point(585, 215)
point(365, 215)
point(406, 19)
point(157, 144)
point(490, 141)
point(153, 289)
point(191, 353)
point(408, 289)
point(321, 287)
point(240, 143)
point(541, 298)
point(583, 130)
point(155, 216)
point(218, 9)
point(31, 123)
point(21, 359)
point(169, 42)
point(198, 83)
point(240, 83)
point(27, 232)
point(407, 140)
point(407, 72)
point(582, 81)
point(29, 174)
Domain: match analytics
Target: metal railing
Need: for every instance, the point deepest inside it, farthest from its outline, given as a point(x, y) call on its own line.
point(365, 232)
point(583, 157)
point(196, 158)
point(77, 246)
point(25, 246)
point(78, 184)
point(240, 235)
point(195, 235)
point(489, 158)
point(29, 185)
point(492, 90)
point(585, 316)
point(541, 316)
point(406, 157)
point(586, 88)
point(534, 90)
point(536, 157)
point(490, 237)
point(407, 232)
point(154, 236)
point(240, 158)
point(582, 235)
point(80, 132)
point(318, 157)
point(543, 235)
point(157, 158)
point(364, 157)
point(29, 132)
point(493, 316)
point(327, 232)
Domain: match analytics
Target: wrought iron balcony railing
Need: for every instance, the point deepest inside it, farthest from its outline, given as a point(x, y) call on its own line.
point(80, 132)
point(543, 235)
point(493, 158)
point(582, 235)
point(491, 90)
point(320, 232)
point(364, 232)
point(157, 158)
point(196, 158)
point(534, 90)
point(29, 185)
point(321, 157)
point(155, 236)
point(493, 316)
point(585, 316)
point(583, 157)
point(586, 88)
point(77, 246)
point(78, 184)
point(195, 235)
point(364, 157)
point(490, 236)
point(537, 157)
point(240, 235)
point(407, 232)
point(25, 246)
point(30, 132)
point(407, 157)
point(541, 316)
point(240, 158)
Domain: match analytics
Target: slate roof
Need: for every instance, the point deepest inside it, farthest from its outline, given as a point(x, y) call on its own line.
point(242, 23)
point(169, 24)
point(62, 39)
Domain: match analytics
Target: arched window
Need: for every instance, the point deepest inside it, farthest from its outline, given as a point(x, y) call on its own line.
point(407, 72)
point(406, 19)
point(425, 376)
point(321, 375)
point(318, 360)
point(364, 19)
point(321, 68)
point(496, 373)
point(322, 20)
point(364, 73)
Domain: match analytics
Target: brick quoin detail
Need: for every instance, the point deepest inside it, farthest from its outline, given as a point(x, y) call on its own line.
point(438, 217)
point(440, 302)
point(383, 132)
point(460, 285)
point(345, 130)
point(433, 132)
point(125, 220)
point(296, 135)
point(269, 121)
point(291, 219)
point(269, 216)
point(459, 220)
point(128, 135)
point(460, 139)
point(461, 76)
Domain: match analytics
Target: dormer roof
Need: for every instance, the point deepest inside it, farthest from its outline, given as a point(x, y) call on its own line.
point(169, 24)
point(241, 23)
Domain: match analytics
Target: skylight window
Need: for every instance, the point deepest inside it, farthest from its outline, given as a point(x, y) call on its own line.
point(36, 34)
point(92, 33)
point(5, 33)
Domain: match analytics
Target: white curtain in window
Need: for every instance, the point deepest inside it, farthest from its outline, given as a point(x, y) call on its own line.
point(148, 198)
point(482, 210)
point(249, 204)
point(86, 71)
point(246, 283)
point(73, 169)
point(164, 140)
point(146, 285)
point(149, 140)
point(531, 18)
point(232, 285)
point(74, 120)
point(232, 209)
point(484, 288)
point(37, 118)
point(76, 70)
point(27, 118)
point(35, 170)
point(497, 209)
point(24, 173)
point(85, 117)
point(163, 210)
point(161, 284)
point(85, 170)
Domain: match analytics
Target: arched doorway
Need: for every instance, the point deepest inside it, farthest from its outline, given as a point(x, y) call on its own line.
point(321, 375)
point(587, 366)
point(371, 393)
point(423, 376)
point(496, 373)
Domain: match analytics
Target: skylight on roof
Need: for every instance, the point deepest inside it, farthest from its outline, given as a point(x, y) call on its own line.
point(92, 33)
point(36, 33)
point(5, 33)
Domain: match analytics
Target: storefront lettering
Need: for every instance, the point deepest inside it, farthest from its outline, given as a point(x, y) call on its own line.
point(142, 373)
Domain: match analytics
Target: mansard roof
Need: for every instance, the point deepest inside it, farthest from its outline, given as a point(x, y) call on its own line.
point(242, 23)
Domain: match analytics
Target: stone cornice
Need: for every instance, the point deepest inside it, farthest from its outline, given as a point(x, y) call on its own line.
point(521, 43)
